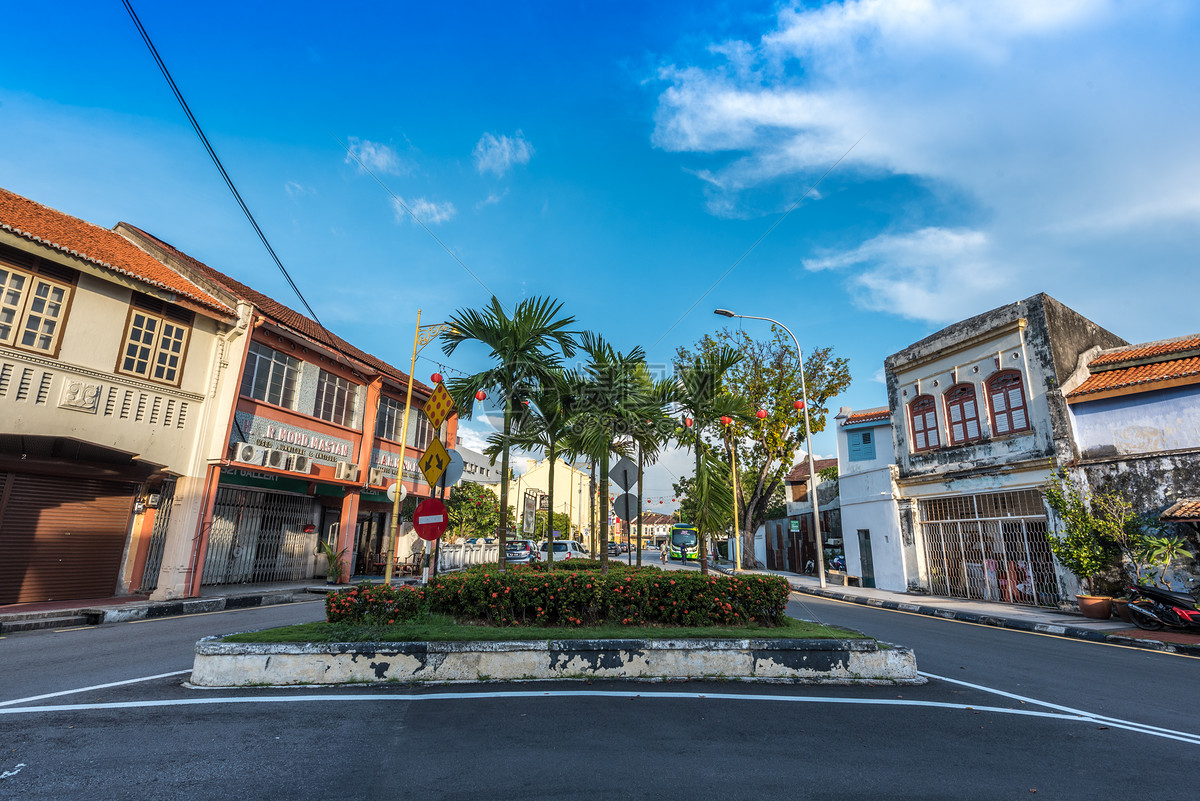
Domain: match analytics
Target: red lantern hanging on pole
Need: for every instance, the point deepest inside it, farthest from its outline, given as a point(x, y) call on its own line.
point(480, 395)
point(761, 414)
point(798, 405)
point(687, 421)
point(436, 378)
point(726, 420)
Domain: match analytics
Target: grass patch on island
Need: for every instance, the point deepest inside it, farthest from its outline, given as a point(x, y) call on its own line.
point(440, 628)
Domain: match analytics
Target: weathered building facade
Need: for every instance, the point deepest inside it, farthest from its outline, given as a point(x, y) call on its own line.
point(876, 551)
point(980, 423)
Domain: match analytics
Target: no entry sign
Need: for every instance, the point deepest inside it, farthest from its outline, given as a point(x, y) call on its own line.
point(430, 519)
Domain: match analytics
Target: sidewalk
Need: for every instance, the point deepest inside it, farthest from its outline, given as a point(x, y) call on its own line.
point(986, 613)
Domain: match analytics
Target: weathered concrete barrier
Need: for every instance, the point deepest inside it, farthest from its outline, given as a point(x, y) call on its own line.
point(222, 664)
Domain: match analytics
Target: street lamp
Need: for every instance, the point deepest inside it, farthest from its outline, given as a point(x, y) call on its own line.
point(812, 468)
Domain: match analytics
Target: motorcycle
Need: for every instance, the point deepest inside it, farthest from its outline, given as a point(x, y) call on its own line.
point(1152, 609)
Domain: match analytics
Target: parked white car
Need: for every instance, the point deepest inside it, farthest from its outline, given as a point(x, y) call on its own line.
point(563, 549)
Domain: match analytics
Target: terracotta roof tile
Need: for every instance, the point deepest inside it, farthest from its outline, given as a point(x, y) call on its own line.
point(868, 416)
point(1147, 350)
point(1139, 378)
point(279, 313)
point(1187, 510)
point(800, 471)
point(103, 247)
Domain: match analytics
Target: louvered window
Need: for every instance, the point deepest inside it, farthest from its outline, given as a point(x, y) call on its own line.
point(1006, 396)
point(922, 413)
point(962, 414)
point(862, 446)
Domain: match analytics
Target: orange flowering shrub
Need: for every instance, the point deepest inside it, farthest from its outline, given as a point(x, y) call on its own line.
point(376, 603)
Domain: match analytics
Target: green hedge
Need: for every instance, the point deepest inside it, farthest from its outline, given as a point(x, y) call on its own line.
point(576, 598)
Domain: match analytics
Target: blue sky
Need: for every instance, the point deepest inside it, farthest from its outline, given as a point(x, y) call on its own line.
point(623, 156)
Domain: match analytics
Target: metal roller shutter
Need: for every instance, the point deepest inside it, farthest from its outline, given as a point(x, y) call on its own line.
point(60, 538)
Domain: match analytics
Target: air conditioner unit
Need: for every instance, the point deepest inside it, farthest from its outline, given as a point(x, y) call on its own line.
point(246, 453)
point(377, 476)
point(346, 471)
point(280, 460)
point(302, 464)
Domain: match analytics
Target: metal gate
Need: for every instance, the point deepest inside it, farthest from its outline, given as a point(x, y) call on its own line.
point(258, 536)
point(158, 536)
point(989, 547)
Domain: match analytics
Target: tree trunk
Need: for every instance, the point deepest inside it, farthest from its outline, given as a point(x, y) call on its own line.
point(604, 514)
point(550, 514)
point(699, 534)
point(504, 485)
point(639, 532)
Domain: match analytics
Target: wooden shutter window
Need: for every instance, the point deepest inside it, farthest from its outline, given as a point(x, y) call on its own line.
point(922, 413)
point(1006, 395)
point(962, 414)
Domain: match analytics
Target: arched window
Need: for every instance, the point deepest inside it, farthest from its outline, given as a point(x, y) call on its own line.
point(962, 413)
point(1006, 396)
point(922, 412)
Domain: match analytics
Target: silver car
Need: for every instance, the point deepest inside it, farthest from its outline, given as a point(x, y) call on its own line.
point(521, 552)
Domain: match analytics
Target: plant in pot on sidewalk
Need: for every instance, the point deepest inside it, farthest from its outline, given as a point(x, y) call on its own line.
point(334, 572)
point(1079, 542)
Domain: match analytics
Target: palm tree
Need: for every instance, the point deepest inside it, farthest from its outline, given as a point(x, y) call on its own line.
point(701, 394)
point(526, 348)
point(610, 399)
point(543, 424)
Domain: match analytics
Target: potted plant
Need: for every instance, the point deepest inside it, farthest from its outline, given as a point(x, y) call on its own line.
point(1081, 545)
point(333, 574)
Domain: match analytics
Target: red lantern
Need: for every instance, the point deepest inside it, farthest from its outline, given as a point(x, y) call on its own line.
point(436, 378)
point(687, 421)
point(726, 420)
point(798, 405)
point(480, 395)
point(761, 414)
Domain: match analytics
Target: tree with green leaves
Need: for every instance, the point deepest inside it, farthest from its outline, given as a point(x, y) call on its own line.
point(610, 399)
point(768, 377)
point(526, 348)
point(562, 524)
point(474, 511)
point(702, 392)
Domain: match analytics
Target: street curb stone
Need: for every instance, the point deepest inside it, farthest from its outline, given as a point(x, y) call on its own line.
point(1074, 632)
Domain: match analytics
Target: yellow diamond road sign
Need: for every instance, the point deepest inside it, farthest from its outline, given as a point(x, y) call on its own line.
point(439, 406)
point(434, 461)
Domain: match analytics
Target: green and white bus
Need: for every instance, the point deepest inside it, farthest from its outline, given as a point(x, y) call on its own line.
point(684, 535)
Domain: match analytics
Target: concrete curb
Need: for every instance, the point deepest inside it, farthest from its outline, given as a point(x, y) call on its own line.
point(145, 610)
point(223, 664)
point(1073, 632)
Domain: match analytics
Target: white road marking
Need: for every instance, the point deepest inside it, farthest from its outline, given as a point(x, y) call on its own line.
point(343, 698)
point(94, 687)
point(9, 773)
point(1145, 728)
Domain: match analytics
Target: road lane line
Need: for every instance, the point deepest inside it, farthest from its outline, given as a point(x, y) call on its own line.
point(94, 687)
point(343, 698)
point(1145, 727)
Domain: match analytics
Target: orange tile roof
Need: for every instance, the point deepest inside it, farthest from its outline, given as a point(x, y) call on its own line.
point(1140, 378)
point(290, 318)
point(1147, 350)
point(1187, 510)
point(103, 247)
point(800, 471)
point(868, 416)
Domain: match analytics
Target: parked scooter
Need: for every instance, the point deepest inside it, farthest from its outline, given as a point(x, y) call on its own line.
point(1152, 609)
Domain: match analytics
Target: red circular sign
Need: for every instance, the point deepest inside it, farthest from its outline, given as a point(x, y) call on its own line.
point(430, 519)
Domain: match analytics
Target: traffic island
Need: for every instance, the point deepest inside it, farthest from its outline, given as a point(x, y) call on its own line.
point(823, 661)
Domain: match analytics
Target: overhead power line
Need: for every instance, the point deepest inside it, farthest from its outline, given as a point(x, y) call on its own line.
point(220, 167)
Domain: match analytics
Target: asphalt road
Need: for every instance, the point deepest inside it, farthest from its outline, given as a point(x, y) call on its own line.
point(944, 740)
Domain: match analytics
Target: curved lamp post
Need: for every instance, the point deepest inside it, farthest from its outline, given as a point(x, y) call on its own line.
point(812, 469)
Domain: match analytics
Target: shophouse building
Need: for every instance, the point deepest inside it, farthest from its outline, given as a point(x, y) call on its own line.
point(113, 371)
point(979, 424)
point(310, 444)
point(876, 551)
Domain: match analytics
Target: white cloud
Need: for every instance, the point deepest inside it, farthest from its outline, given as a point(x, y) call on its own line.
point(1061, 132)
point(427, 211)
point(376, 157)
point(492, 199)
point(297, 190)
point(497, 154)
point(932, 274)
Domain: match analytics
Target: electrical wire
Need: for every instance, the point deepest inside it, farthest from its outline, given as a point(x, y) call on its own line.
point(217, 161)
